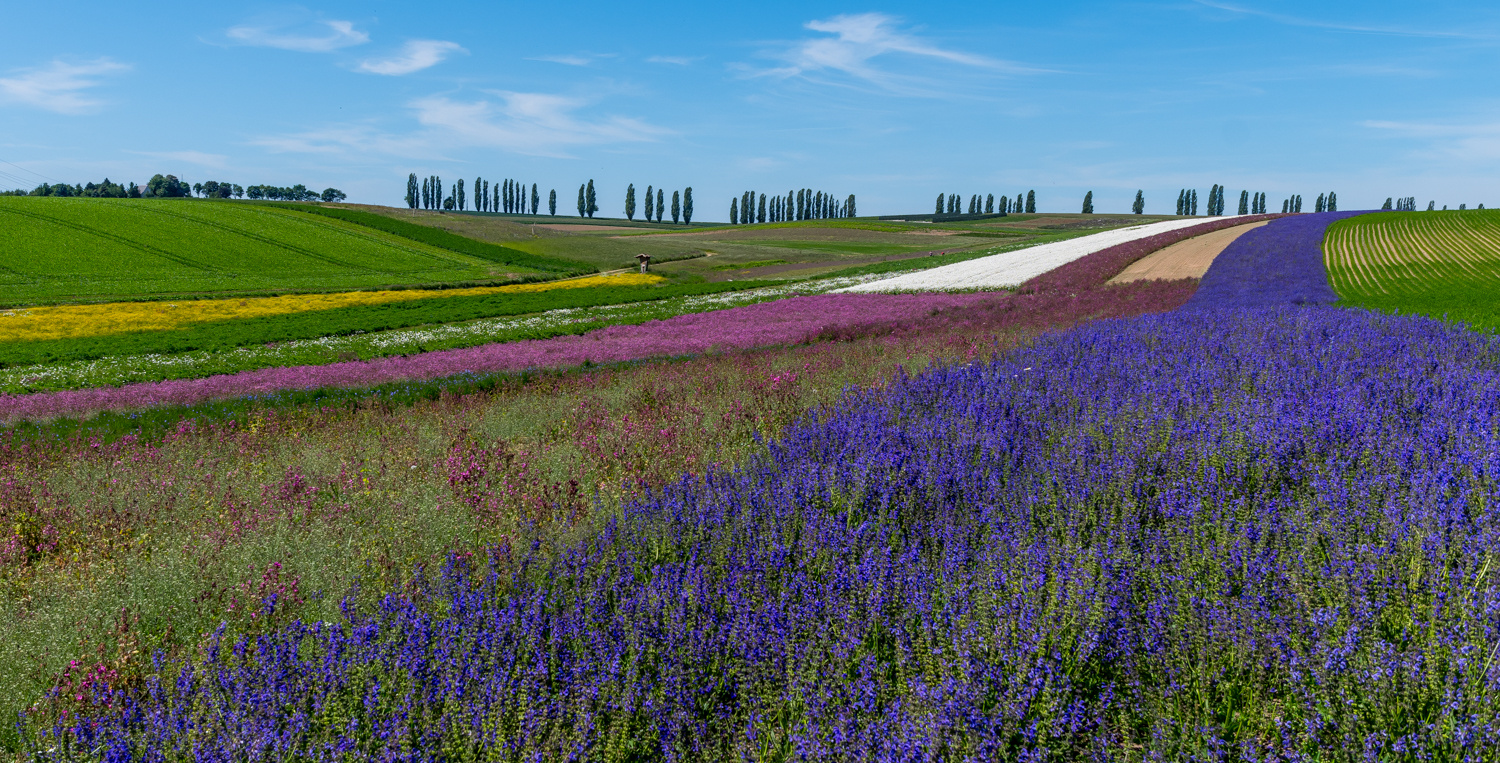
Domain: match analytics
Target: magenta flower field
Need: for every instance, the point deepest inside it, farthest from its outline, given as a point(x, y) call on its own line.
point(782, 322)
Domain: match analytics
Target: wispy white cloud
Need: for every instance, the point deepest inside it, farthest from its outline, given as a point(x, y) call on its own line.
point(211, 161)
point(1401, 31)
point(538, 124)
point(60, 87)
point(567, 59)
point(533, 124)
point(674, 60)
point(415, 56)
point(858, 40)
point(339, 34)
point(1467, 141)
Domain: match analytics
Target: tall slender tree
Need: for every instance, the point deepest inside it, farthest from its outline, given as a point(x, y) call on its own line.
point(941, 200)
point(989, 204)
point(1139, 205)
point(1088, 203)
point(676, 207)
point(649, 191)
point(1193, 202)
point(734, 211)
point(760, 209)
point(583, 204)
point(552, 201)
point(592, 198)
point(427, 193)
point(411, 191)
point(630, 202)
point(687, 205)
point(849, 209)
point(1333, 202)
point(1031, 202)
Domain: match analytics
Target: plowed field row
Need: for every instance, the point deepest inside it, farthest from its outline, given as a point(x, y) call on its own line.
point(1413, 253)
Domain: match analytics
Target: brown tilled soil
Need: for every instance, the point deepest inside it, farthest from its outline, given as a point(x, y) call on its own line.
point(1184, 259)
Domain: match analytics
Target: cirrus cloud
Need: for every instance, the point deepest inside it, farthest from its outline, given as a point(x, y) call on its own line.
point(341, 34)
point(415, 56)
point(59, 87)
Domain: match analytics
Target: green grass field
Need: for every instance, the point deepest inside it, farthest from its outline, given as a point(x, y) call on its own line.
point(59, 250)
point(1442, 264)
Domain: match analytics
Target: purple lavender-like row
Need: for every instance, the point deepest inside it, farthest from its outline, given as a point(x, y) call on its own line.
point(1210, 535)
point(1278, 264)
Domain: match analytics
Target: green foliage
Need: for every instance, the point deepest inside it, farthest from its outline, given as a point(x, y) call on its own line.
point(1031, 202)
point(101, 249)
point(225, 335)
point(1139, 206)
point(1088, 203)
point(687, 205)
point(446, 240)
point(1443, 266)
point(591, 199)
point(630, 202)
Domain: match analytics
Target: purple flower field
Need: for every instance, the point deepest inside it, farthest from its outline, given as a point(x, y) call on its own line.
point(1227, 535)
point(1279, 264)
point(781, 322)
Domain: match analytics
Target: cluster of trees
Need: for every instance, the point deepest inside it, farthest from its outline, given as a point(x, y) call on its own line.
point(952, 204)
point(682, 203)
point(1252, 205)
point(102, 190)
point(1404, 204)
point(1292, 205)
point(1187, 202)
point(804, 204)
point(1327, 202)
point(170, 187)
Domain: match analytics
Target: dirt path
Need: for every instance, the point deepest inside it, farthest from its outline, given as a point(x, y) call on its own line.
point(1184, 259)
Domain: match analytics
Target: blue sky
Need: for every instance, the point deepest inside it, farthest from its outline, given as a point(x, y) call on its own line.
point(892, 102)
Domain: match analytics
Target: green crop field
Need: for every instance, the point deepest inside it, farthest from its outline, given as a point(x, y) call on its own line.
point(1442, 264)
point(73, 249)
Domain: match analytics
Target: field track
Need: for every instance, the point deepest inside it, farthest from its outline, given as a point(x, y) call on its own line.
point(1413, 253)
point(1014, 268)
point(1185, 259)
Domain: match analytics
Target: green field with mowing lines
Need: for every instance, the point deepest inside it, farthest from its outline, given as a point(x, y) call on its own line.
point(68, 249)
point(1442, 264)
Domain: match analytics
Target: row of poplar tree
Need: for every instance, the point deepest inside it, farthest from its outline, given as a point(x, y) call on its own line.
point(511, 196)
point(806, 204)
point(1250, 203)
point(682, 203)
point(952, 204)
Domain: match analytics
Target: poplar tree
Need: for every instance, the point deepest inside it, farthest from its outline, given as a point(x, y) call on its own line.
point(661, 199)
point(1244, 203)
point(989, 204)
point(849, 207)
point(495, 200)
point(630, 202)
point(1333, 202)
point(1193, 202)
point(649, 191)
point(459, 195)
point(676, 207)
point(552, 202)
point(1031, 202)
point(478, 194)
point(582, 203)
point(760, 210)
point(1286, 206)
point(1318, 207)
point(1088, 203)
point(427, 193)
point(687, 205)
point(1386, 207)
point(411, 191)
point(1139, 205)
point(734, 211)
point(591, 198)
point(939, 209)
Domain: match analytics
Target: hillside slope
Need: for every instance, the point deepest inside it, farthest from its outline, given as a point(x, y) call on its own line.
point(60, 249)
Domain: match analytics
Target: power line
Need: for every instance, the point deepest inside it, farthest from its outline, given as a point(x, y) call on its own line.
point(38, 174)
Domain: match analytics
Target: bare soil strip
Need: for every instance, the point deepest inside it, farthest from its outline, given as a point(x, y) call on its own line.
point(1184, 259)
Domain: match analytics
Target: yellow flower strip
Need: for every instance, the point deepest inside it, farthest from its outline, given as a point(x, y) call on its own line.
point(68, 321)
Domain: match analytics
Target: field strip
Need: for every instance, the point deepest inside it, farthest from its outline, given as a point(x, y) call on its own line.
point(142, 247)
point(1185, 259)
point(73, 321)
point(1016, 267)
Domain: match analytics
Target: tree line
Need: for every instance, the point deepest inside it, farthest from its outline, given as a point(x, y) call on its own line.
point(682, 204)
point(171, 187)
point(952, 204)
point(805, 204)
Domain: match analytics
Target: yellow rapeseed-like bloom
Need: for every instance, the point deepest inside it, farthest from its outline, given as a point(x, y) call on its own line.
point(69, 321)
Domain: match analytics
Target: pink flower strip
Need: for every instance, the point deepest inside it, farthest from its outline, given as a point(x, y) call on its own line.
point(769, 323)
